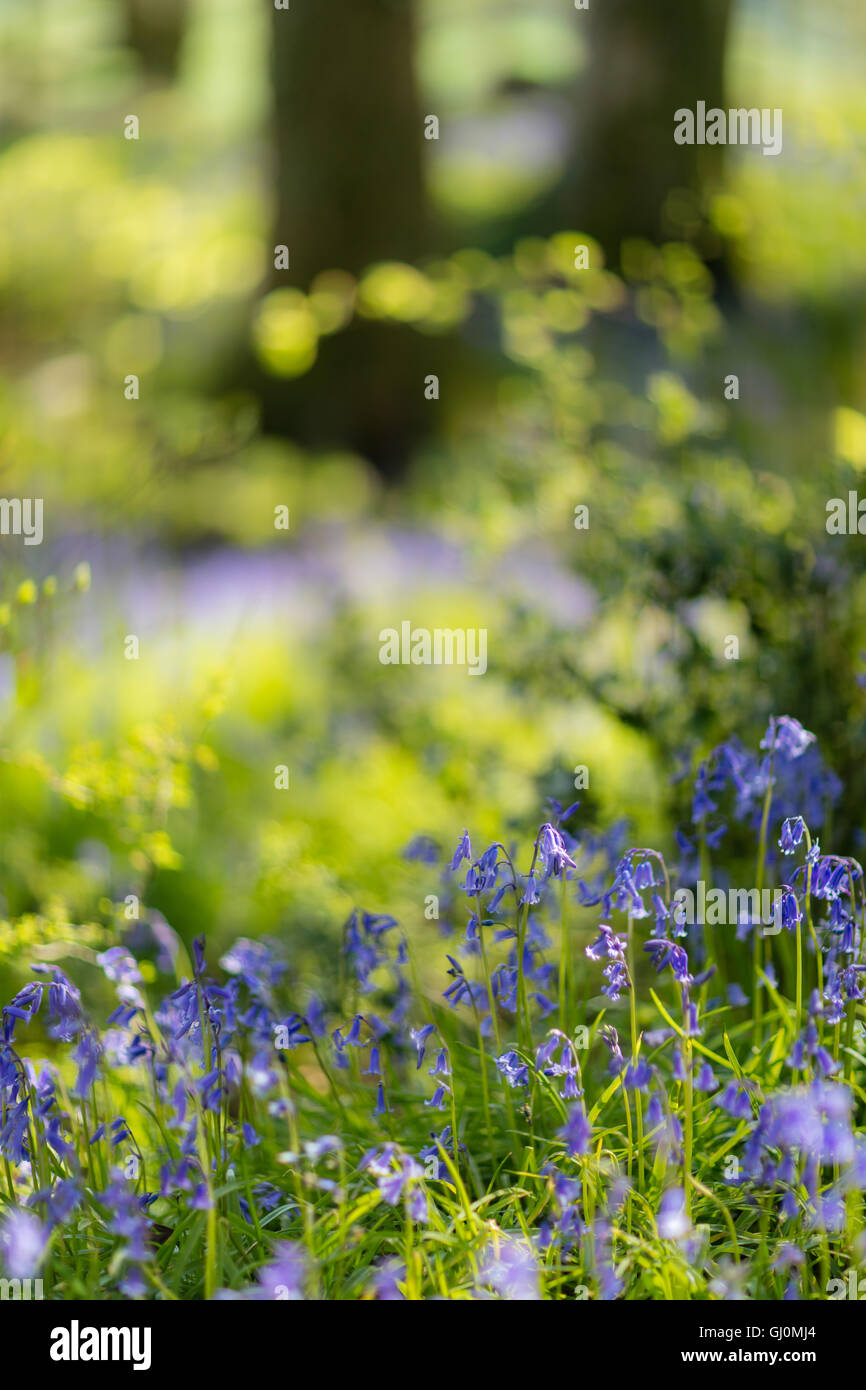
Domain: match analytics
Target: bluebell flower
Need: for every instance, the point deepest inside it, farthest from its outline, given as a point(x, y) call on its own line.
point(440, 1065)
point(419, 1038)
point(120, 966)
point(673, 1222)
point(387, 1276)
point(23, 1240)
point(787, 736)
point(256, 963)
point(610, 1038)
point(513, 1068)
point(508, 1266)
point(706, 1079)
point(597, 1246)
point(86, 1056)
point(793, 829)
point(563, 1224)
point(664, 952)
point(830, 879)
point(422, 848)
point(530, 892)
point(715, 834)
point(199, 963)
point(267, 1197)
point(552, 853)
point(736, 1099)
point(788, 1256)
point(560, 815)
point(637, 1075)
point(289, 1033)
point(463, 851)
point(576, 1132)
point(662, 913)
point(464, 989)
point(398, 1178)
point(444, 1141)
point(284, 1278)
point(127, 1218)
point(59, 1201)
point(201, 1200)
point(14, 1135)
point(612, 946)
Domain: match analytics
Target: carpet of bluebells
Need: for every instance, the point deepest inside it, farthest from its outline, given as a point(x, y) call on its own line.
point(593, 1100)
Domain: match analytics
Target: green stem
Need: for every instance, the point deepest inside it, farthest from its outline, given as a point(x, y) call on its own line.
point(632, 996)
point(688, 1128)
point(564, 964)
point(757, 951)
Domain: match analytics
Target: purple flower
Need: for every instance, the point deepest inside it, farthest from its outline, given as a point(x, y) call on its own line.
point(86, 1055)
point(787, 736)
point(256, 963)
point(266, 1196)
point(735, 1098)
point(509, 1267)
point(813, 1120)
point(419, 1038)
point(397, 1177)
point(285, 1277)
point(14, 1136)
point(23, 1239)
point(60, 1201)
point(577, 1133)
point(387, 1277)
point(127, 1218)
point(119, 966)
point(609, 944)
point(637, 1075)
point(64, 1005)
point(663, 952)
point(673, 1221)
point(463, 851)
point(706, 1079)
point(792, 833)
point(513, 1068)
point(552, 853)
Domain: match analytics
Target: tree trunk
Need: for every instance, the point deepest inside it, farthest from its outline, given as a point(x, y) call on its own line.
point(647, 59)
point(348, 134)
point(349, 191)
point(155, 29)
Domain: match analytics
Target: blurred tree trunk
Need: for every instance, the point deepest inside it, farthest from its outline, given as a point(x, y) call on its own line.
point(349, 191)
point(647, 58)
point(155, 29)
point(348, 134)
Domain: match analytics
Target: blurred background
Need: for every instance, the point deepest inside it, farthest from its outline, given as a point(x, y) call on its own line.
point(261, 388)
